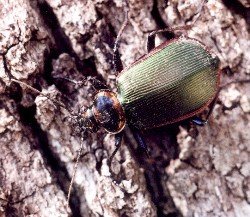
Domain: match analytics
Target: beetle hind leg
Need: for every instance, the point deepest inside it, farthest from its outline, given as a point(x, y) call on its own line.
point(151, 36)
point(199, 122)
point(202, 122)
point(171, 31)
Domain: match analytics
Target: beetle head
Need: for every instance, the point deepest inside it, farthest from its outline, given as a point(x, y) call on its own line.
point(107, 112)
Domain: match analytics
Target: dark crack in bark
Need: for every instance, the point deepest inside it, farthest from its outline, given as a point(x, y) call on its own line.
point(57, 168)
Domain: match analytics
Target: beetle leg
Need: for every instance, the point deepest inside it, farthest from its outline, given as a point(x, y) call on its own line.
point(116, 55)
point(151, 41)
point(118, 142)
point(117, 60)
point(151, 35)
point(140, 141)
point(198, 121)
point(201, 122)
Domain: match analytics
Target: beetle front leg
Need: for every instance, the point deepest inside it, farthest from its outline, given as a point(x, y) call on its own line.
point(118, 142)
point(98, 85)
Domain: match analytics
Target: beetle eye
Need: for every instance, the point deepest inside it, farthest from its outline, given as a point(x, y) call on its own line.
point(108, 111)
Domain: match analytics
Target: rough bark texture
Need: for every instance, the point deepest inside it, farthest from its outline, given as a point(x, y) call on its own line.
point(193, 171)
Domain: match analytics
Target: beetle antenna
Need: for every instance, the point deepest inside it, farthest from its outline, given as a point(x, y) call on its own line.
point(75, 167)
point(74, 172)
point(80, 83)
point(72, 115)
point(45, 95)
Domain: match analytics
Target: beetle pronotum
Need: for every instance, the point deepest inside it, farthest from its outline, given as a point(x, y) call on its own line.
point(174, 81)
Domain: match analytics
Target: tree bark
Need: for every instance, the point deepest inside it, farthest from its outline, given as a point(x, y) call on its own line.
point(192, 171)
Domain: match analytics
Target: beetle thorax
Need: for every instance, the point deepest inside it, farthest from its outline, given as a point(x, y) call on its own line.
point(108, 111)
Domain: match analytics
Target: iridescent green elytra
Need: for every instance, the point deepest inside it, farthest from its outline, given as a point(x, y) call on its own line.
point(173, 82)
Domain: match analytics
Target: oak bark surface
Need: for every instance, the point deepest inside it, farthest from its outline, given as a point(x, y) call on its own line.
point(192, 171)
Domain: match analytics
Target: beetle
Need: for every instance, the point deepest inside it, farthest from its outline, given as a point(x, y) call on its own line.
point(174, 81)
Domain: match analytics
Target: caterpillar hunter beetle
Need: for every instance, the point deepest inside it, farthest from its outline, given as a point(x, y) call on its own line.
point(174, 81)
